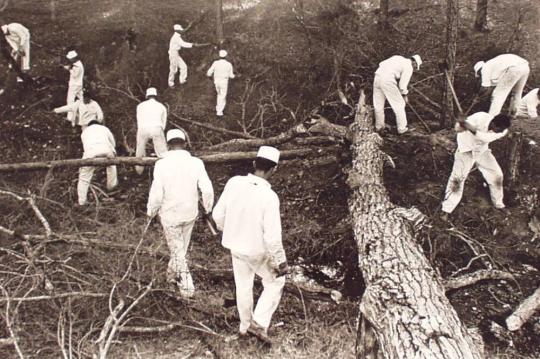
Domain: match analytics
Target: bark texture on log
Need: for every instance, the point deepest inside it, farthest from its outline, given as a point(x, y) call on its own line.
point(525, 310)
point(404, 312)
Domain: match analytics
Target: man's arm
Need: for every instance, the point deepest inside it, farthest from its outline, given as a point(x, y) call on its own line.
point(219, 211)
point(155, 197)
point(404, 80)
point(164, 117)
point(272, 232)
point(207, 191)
point(231, 72)
point(531, 107)
point(99, 112)
point(70, 107)
point(210, 71)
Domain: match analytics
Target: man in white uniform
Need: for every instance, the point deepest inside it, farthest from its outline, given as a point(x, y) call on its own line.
point(473, 138)
point(174, 195)
point(151, 122)
point(85, 110)
point(386, 87)
point(248, 213)
point(176, 62)
point(222, 71)
point(98, 141)
point(528, 106)
point(75, 85)
point(18, 38)
point(506, 73)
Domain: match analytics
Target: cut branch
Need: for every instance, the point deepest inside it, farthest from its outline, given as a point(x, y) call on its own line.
point(473, 278)
point(524, 311)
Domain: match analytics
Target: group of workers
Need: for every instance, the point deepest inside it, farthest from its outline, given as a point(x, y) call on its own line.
point(248, 210)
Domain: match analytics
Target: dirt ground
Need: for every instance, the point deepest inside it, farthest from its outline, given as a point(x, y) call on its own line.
point(287, 69)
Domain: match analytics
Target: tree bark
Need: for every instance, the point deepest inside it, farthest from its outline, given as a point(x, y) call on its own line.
point(452, 24)
point(404, 312)
point(240, 144)
point(524, 311)
point(219, 22)
point(480, 23)
point(383, 13)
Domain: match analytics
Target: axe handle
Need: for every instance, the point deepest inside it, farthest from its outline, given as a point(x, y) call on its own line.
point(456, 100)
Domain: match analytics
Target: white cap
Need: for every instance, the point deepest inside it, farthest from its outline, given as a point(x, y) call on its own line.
point(151, 91)
point(478, 66)
point(178, 27)
point(72, 54)
point(418, 60)
point(4, 29)
point(270, 153)
point(175, 133)
point(222, 53)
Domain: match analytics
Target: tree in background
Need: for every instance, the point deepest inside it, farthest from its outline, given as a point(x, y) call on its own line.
point(219, 22)
point(452, 24)
point(383, 13)
point(480, 24)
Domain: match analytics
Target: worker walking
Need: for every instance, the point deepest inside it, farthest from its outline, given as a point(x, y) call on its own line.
point(386, 87)
point(507, 73)
point(98, 141)
point(151, 122)
point(75, 85)
point(85, 110)
point(473, 138)
point(248, 213)
point(18, 38)
point(174, 195)
point(176, 62)
point(222, 71)
point(528, 106)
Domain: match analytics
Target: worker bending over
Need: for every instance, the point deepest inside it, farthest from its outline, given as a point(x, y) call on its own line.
point(75, 85)
point(473, 138)
point(85, 110)
point(174, 195)
point(176, 62)
point(506, 73)
point(18, 38)
point(528, 106)
point(248, 214)
point(98, 141)
point(151, 122)
point(222, 71)
point(386, 87)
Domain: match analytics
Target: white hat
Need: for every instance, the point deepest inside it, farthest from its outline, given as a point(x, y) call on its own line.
point(270, 153)
point(4, 29)
point(478, 66)
point(175, 133)
point(72, 54)
point(178, 27)
point(151, 91)
point(222, 53)
point(418, 60)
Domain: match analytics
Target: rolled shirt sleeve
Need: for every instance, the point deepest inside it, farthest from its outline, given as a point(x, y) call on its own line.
point(405, 78)
point(272, 232)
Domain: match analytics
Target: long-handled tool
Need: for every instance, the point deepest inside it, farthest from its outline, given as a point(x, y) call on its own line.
point(207, 218)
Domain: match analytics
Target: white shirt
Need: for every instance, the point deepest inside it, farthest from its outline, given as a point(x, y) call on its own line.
point(151, 113)
point(177, 43)
point(221, 70)
point(85, 111)
point(497, 66)
point(528, 105)
point(478, 143)
point(98, 138)
point(248, 214)
point(397, 68)
point(174, 193)
point(18, 36)
point(76, 74)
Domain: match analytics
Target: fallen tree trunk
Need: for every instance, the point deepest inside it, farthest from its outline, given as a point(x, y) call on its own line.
point(525, 310)
point(147, 161)
point(404, 312)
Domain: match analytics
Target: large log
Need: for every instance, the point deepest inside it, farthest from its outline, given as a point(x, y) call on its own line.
point(147, 161)
point(404, 312)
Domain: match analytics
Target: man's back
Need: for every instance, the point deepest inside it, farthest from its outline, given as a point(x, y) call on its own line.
point(97, 136)
point(221, 69)
point(151, 113)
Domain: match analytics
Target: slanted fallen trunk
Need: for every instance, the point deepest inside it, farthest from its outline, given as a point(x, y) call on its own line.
point(404, 312)
point(525, 310)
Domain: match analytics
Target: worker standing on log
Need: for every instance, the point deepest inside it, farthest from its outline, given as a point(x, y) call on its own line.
point(98, 141)
point(222, 71)
point(151, 123)
point(386, 87)
point(174, 195)
point(528, 105)
point(176, 62)
point(85, 110)
point(18, 38)
point(75, 85)
point(248, 213)
point(473, 138)
point(507, 72)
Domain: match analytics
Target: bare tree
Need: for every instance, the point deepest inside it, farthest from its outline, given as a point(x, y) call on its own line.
point(452, 24)
point(480, 24)
point(219, 22)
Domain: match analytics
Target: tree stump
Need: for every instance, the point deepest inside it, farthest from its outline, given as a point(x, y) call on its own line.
point(404, 312)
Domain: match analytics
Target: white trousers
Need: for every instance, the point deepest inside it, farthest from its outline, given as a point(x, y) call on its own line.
point(158, 139)
point(177, 64)
point(463, 163)
point(513, 80)
point(74, 92)
point(86, 174)
point(221, 89)
point(245, 268)
point(178, 237)
point(387, 89)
